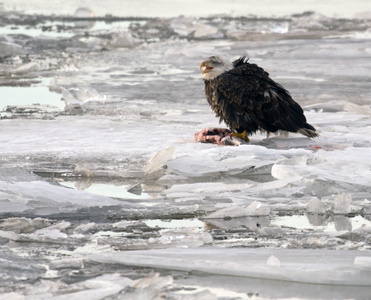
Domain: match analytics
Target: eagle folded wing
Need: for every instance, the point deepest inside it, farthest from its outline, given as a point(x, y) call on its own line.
point(250, 92)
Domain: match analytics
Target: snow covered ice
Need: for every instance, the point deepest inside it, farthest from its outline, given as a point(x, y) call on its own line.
point(104, 194)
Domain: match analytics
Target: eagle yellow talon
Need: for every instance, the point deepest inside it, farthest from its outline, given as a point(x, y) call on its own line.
point(242, 135)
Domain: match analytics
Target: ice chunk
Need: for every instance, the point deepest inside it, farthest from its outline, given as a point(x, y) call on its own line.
point(154, 279)
point(273, 185)
point(19, 225)
point(300, 160)
point(357, 109)
point(185, 237)
point(204, 30)
point(290, 168)
point(63, 225)
point(251, 223)
point(284, 172)
point(48, 235)
point(228, 212)
point(24, 225)
point(122, 38)
point(182, 26)
point(195, 165)
point(186, 26)
point(257, 209)
point(10, 235)
point(8, 48)
point(81, 95)
point(281, 28)
point(158, 160)
point(150, 287)
point(269, 231)
point(319, 187)
point(84, 12)
point(71, 263)
point(298, 265)
point(69, 67)
point(312, 20)
point(273, 261)
point(316, 206)
point(364, 229)
point(342, 223)
point(83, 171)
point(44, 198)
point(97, 288)
point(27, 68)
point(343, 203)
point(85, 228)
point(254, 209)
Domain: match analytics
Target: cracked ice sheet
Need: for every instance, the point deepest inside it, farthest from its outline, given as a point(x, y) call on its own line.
point(88, 142)
point(352, 166)
point(306, 266)
point(43, 198)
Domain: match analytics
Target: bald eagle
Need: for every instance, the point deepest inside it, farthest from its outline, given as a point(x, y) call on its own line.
point(247, 99)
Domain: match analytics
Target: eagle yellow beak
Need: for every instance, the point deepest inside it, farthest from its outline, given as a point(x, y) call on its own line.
point(207, 68)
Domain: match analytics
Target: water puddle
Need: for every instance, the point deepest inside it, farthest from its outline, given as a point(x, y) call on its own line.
point(321, 222)
point(49, 29)
point(24, 100)
point(101, 25)
point(109, 190)
point(296, 222)
point(175, 224)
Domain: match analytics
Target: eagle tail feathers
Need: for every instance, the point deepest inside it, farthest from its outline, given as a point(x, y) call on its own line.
point(311, 133)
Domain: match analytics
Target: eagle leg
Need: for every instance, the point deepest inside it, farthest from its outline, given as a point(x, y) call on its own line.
point(243, 135)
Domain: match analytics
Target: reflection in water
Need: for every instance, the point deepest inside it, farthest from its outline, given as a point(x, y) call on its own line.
point(322, 222)
point(83, 183)
point(317, 220)
point(84, 12)
point(142, 191)
point(122, 191)
point(342, 223)
point(310, 221)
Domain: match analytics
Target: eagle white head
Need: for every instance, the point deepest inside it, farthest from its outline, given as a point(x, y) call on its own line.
point(214, 66)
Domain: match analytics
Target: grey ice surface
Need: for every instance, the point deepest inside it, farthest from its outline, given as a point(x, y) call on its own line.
point(104, 194)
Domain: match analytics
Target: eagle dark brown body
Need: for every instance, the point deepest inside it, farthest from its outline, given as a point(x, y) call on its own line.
point(247, 99)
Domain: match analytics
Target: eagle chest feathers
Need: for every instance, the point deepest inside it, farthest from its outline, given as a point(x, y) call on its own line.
point(212, 96)
point(220, 105)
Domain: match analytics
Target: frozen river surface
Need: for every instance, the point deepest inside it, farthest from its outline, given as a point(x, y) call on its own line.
point(104, 194)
